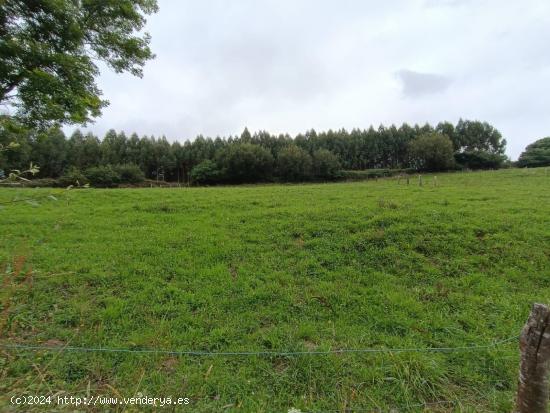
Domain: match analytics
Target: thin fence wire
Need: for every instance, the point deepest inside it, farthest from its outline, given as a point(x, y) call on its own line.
point(491, 346)
point(494, 346)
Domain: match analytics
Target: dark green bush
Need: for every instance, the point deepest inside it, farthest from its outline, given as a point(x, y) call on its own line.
point(432, 152)
point(326, 165)
point(245, 162)
point(294, 164)
point(102, 176)
point(74, 177)
point(205, 173)
point(537, 154)
point(129, 173)
point(480, 160)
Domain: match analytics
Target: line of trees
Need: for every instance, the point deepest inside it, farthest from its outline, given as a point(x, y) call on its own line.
point(257, 157)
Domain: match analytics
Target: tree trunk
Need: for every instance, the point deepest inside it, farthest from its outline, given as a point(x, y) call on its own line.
point(533, 386)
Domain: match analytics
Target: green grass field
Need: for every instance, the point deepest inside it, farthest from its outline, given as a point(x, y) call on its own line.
point(277, 268)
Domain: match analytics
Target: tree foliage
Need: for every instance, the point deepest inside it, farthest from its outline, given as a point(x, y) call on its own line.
point(480, 159)
point(206, 173)
point(250, 157)
point(245, 162)
point(294, 164)
point(536, 154)
point(432, 152)
point(475, 136)
point(103, 176)
point(326, 165)
point(49, 52)
point(130, 173)
point(73, 177)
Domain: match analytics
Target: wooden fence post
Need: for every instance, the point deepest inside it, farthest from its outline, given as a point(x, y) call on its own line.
point(533, 386)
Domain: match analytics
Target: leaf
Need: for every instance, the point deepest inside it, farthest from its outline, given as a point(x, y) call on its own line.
point(53, 198)
point(33, 169)
point(32, 203)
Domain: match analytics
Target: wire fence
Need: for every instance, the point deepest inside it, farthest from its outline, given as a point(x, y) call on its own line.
point(495, 345)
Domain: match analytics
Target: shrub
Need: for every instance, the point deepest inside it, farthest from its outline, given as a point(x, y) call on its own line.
point(536, 154)
point(102, 176)
point(245, 162)
point(73, 176)
point(129, 173)
point(326, 165)
point(206, 172)
point(294, 164)
point(432, 152)
point(480, 160)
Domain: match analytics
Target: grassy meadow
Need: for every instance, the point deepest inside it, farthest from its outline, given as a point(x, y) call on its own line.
point(312, 267)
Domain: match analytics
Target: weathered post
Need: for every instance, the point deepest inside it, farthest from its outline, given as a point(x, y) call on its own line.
point(534, 342)
point(420, 180)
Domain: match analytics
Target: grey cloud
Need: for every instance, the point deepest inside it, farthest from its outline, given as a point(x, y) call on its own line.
point(417, 84)
point(286, 65)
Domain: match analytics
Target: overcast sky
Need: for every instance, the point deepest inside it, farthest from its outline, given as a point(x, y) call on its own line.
point(292, 65)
